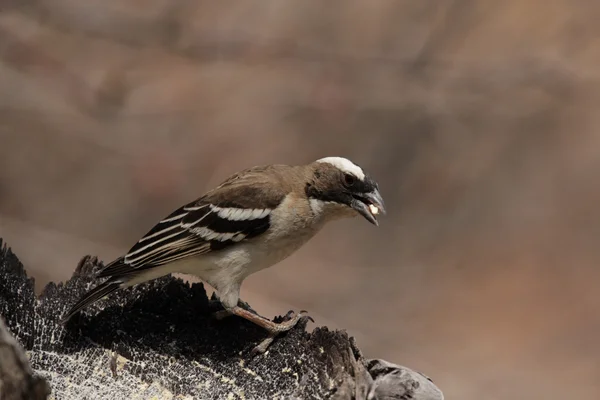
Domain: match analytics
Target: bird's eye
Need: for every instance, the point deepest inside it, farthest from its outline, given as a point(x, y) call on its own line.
point(349, 179)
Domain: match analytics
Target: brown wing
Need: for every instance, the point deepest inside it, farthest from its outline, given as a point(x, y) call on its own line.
point(237, 210)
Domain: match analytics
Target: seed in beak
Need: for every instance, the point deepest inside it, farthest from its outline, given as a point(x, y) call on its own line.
point(374, 209)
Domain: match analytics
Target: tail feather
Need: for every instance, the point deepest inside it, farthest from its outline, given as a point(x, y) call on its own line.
point(104, 289)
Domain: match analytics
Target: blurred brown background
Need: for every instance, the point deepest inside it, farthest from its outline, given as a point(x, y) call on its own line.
point(479, 118)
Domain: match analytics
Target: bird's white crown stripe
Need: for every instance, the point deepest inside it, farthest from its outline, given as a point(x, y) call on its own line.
point(345, 165)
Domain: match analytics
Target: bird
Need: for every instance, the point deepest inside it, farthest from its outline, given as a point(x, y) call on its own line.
point(253, 220)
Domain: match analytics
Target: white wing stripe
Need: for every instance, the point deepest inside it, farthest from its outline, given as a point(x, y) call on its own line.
point(234, 214)
point(179, 256)
point(189, 225)
point(228, 213)
point(209, 234)
point(175, 218)
point(240, 214)
point(265, 212)
point(194, 208)
point(175, 244)
point(157, 233)
point(238, 237)
point(151, 244)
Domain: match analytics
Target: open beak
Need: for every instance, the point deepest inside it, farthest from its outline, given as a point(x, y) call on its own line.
point(369, 205)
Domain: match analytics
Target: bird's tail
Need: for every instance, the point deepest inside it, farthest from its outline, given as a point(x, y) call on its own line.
point(104, 289)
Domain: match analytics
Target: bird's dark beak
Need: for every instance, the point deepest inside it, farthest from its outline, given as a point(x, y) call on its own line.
point(369, 205)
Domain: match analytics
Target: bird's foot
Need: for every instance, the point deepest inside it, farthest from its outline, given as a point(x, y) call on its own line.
point(274, 329)
point(290, 320)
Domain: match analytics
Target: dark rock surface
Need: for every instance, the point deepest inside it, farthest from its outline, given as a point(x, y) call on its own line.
point(157, 340)
point(17, 379)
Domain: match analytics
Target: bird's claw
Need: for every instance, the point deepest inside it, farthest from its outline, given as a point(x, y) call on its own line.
point(262, 347)
point(304, 314)
point(301, 314)
point(290, 320)
point(290, 315)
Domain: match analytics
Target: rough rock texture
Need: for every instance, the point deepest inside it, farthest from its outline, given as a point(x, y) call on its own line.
point(157, 340)
point(17, 379)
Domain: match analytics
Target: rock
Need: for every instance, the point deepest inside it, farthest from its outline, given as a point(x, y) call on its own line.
point(158, 340)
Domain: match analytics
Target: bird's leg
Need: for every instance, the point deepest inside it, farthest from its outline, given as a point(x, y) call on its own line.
point(245, 305)
point(221, 314)
point(273, 328)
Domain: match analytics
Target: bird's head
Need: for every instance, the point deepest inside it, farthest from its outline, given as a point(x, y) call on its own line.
point(338, 188)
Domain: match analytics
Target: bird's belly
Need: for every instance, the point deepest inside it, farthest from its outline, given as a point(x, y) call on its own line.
point(229, 267)
point(271, 254)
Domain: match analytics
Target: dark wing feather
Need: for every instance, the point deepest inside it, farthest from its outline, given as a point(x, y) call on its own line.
point(166, 238)
point(237, 210)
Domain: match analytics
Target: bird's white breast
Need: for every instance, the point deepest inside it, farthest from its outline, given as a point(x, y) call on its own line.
point(292, 225)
